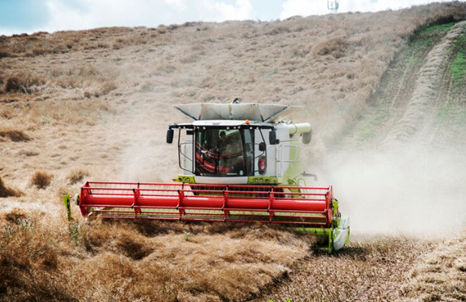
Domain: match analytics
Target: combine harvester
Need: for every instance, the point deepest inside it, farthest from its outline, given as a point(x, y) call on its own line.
point(240, 164)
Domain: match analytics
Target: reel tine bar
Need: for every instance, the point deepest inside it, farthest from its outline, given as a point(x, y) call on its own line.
point(307, 206)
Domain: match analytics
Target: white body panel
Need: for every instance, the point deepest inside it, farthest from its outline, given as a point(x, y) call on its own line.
point(341, 233)
point(282, 153)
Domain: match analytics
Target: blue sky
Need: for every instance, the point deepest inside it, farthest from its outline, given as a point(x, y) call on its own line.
point(18, 16)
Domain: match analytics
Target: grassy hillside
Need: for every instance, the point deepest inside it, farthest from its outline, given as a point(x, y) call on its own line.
point(95, 105)
point(398, 89)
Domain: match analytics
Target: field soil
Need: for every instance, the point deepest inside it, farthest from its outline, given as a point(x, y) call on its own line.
point(385, 93)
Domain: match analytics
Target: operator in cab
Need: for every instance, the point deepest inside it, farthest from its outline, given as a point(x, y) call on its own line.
point(222, 144)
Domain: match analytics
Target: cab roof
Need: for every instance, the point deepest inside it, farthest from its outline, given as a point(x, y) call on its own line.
point(247, 111)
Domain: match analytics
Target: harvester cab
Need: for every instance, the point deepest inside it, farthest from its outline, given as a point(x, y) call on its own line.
point(239, 144)
point(239, 163)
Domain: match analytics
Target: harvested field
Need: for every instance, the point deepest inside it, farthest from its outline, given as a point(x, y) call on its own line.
point(384, 92)
point(439, 275)
point(371, 270)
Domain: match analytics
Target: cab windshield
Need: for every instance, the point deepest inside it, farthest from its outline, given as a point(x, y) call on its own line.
point(224, 152)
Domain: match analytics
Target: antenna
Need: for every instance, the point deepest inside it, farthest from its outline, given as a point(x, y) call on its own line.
point(333, 5)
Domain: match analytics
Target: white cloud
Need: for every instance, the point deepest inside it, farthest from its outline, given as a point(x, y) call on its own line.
point(178, 5)
point(211, 10)
point(319, 7)
point(91, 14)
point(303, 8)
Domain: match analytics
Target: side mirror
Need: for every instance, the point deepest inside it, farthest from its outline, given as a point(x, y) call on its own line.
point(307, 137)
point(273, 137)
point(262, 147)
point(170, 134)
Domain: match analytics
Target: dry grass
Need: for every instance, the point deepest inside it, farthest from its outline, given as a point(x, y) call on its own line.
point(77, 175)
point(43, 43)
point(28, 153)
point(7, 113)
point(28, 261)
point(7, 191)
point(335, 47)
point(21, 84)
point(14, 135)
point(142, 260)
point(41, 114)
point(195, 263)
point(15, 216)
point(127, 261)
point(41, 179)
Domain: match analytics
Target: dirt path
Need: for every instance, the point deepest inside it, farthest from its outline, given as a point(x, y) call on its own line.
point(426, 98)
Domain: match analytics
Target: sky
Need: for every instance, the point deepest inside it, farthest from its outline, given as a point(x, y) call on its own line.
point(28, 16)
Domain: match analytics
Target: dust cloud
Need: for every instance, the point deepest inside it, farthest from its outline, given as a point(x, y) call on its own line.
point(410, 192)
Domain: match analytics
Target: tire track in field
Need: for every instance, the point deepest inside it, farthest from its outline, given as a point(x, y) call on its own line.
point(425, 96)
